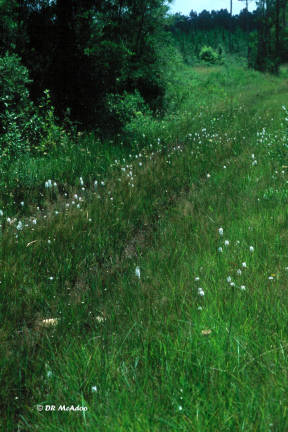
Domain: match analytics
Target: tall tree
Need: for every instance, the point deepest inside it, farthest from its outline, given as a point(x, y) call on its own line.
point(83, 50)
point(270, 34)
point(105, 47)
point(231, 25)
point(246, 3)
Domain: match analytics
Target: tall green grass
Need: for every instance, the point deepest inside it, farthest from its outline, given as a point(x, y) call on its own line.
point(151, 353)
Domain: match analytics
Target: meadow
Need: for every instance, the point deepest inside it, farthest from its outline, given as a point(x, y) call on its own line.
point(146, 282)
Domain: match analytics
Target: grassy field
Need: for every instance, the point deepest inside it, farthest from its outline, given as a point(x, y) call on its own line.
point(156, 297)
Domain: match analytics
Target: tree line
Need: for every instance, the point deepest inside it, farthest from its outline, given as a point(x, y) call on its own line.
point(264, 31)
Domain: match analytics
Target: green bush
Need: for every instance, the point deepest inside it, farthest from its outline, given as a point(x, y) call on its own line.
point(24, 127)
point(209, 55)
point(15, 106)
point(123, 108)
point(49, 136)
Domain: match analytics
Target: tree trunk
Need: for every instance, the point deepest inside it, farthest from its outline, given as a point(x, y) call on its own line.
point(230, 32)
point(283, 7)
point(277, 28)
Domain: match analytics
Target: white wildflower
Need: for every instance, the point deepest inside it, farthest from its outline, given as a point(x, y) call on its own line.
point(226, 242)
point(201, 292)
point(221, 231)
point(137, 272)
point(19, 226)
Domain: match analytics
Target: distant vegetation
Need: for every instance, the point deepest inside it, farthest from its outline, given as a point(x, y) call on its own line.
point(217, 29)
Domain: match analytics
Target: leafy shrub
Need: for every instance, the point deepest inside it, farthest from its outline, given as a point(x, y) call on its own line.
point(123, 108)
point(49, 136)
point(15, 106)
point(221, 54)
point(209, 55)
point(24, 127)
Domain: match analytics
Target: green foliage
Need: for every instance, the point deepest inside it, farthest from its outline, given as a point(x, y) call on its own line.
point(123, 108)
point(215, 29)
point(111, 45)
point(221, 41)
point(15, 106)
point(209, 55)
point(252, 52)
point(271, 35)
point(24, 128)
point(8, 25)
point(49, 136)
point(124, 43)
